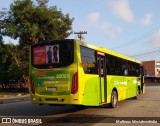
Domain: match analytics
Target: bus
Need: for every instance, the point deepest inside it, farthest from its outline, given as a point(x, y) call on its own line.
point(72, 72)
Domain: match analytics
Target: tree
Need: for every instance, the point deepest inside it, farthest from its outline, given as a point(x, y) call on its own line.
point(32, 23)
point(13, 67)
point(6, 61)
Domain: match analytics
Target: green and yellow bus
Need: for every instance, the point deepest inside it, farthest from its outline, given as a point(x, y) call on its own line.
point(72, 72)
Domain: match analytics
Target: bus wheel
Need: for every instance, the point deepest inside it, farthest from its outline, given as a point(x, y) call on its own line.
point(114, 99)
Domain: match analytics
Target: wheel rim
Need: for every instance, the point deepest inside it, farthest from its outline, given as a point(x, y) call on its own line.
point(114, 99)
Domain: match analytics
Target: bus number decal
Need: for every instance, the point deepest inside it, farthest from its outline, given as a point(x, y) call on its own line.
point(62, 76)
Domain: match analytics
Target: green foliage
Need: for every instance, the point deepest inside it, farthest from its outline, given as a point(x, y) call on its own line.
point(30, 23)
point(13, 64)
point(33, 23)
point(5, 62)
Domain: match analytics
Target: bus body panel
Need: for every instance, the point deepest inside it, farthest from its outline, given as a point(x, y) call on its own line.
point(91, 91)
point(126, 89)
point(53, 82)
point(54, 85)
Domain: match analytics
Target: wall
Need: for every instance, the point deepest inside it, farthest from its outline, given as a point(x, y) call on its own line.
point(150, 67)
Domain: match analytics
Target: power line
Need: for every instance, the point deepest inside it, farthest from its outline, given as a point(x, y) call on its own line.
point(138, 39)
point(145, 51)
point(153, 54)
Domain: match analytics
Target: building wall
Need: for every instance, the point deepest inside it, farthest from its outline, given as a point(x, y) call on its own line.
point(150, 67)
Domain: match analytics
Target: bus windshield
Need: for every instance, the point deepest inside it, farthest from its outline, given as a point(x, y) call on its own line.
point(52, 54)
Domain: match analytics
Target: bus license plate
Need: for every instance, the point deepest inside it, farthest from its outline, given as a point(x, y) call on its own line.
point(51, 88)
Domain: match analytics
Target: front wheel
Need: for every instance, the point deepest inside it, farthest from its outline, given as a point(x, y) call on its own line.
point(114, 99)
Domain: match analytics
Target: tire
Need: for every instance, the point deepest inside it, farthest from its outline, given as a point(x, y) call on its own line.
point(114, 99)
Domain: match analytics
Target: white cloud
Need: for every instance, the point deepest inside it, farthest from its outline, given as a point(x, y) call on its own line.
point(93, 17)
point(147, 19)
point(106, 27)
point(110, 30)
point(155, 39)
point(121, 8)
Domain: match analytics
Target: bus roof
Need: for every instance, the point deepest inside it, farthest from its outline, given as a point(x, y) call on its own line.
point(104, 50)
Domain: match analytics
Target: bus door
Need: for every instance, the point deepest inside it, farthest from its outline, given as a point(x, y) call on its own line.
point(102, 76)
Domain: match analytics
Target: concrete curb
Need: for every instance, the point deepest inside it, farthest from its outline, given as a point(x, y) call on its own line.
point(15, 99)
point(152, 84)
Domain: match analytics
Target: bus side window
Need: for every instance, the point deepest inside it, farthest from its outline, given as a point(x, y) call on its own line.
point(88, 57)
point(125, 67)
point(125, 72)
point(110, 65)
point(137, 71)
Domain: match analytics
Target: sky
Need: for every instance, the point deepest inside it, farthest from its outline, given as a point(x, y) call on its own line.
point(129, 27)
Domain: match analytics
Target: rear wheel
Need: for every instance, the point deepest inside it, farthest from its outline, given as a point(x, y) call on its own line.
point(114, 99)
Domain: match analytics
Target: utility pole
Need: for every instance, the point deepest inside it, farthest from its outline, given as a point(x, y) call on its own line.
point(80, 34)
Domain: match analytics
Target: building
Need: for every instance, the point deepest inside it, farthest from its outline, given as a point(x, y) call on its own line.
point(152, 71)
